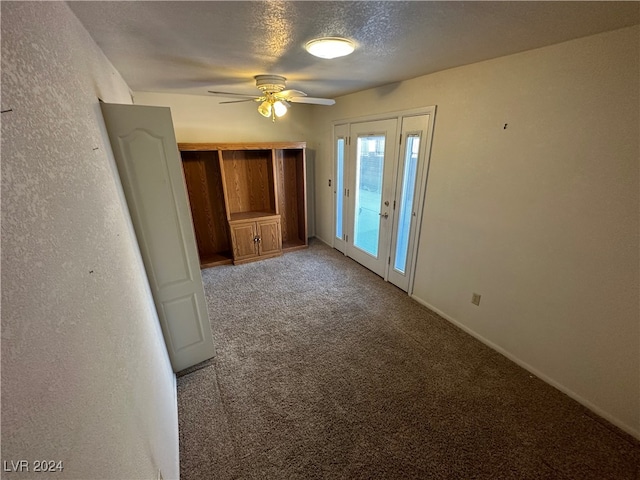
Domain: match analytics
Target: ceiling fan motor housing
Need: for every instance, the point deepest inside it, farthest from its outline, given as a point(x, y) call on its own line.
point(270, 83)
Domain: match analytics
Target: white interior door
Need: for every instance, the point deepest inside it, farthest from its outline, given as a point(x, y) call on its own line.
point(146, 152)
point(370, 188)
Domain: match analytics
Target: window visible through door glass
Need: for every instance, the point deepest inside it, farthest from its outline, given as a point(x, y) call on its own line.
point(406, 202)
point(339, 185)
point(369, 171)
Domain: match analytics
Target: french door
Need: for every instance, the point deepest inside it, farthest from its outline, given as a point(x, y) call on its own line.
point(369, 192)
point(379, 183)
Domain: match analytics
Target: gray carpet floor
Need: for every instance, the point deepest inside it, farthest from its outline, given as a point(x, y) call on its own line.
point(323, 370)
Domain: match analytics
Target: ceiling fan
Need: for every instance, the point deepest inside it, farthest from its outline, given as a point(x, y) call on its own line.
point(275, 100)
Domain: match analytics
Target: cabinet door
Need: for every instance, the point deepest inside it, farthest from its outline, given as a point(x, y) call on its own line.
point(144, 147)
point(270, 237)
point(243, 240)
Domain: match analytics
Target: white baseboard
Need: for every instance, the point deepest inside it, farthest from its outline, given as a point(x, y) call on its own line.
point(627, 428)
point(175, 389)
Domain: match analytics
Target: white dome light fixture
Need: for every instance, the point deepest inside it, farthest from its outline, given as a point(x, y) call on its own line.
point(330, 47)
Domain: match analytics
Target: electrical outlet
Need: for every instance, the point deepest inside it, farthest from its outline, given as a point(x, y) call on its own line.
point(475, 298)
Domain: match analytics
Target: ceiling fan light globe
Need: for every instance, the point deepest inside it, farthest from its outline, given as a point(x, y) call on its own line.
point(265, 109)
point(279, 108)
point(330, 47)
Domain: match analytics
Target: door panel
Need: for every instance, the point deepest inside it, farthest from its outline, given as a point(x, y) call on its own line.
point(243, 240)
point(187, 306)
point(148, 161)
point(153, 195)
point(269, 232)
point(372, 150)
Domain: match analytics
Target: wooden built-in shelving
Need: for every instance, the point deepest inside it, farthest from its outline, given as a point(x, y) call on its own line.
point(242, 190)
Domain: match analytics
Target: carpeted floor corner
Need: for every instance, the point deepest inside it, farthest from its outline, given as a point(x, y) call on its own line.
point(325, 371)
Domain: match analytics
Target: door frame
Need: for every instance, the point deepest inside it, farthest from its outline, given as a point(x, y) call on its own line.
point(422, 185)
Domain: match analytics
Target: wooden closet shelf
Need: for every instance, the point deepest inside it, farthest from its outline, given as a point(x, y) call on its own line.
point(216, 259)
point(242, 216)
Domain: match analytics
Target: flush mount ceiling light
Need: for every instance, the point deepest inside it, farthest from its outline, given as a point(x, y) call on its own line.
point(330, 47)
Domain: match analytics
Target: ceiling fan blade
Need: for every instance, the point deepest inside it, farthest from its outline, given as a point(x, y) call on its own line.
point(292, 93)
point(230, 94)
point(312, 100)
point(240, 101)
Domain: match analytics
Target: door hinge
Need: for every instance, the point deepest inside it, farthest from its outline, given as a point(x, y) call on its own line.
point(394, 204)
point(389, 261)
point(400, 142)
point(346, 238)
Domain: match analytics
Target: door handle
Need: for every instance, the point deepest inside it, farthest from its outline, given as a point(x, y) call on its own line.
point(385, 214)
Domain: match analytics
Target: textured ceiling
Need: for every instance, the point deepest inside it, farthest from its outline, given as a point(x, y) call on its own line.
point(191, 47)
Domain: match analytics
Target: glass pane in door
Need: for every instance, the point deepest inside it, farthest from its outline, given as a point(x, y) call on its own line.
point(339, 185)
point(406, 202)
point(369, 171)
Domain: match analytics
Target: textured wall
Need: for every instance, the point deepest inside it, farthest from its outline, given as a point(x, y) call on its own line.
point(541, 218)
point(85, 374)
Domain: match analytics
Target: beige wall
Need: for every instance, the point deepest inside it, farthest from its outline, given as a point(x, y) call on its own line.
point(540, 218)
point(85, 375)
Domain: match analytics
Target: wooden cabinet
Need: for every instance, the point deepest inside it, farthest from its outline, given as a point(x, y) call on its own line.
point(269, 237)
point(256, 239)
point(248, 201)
